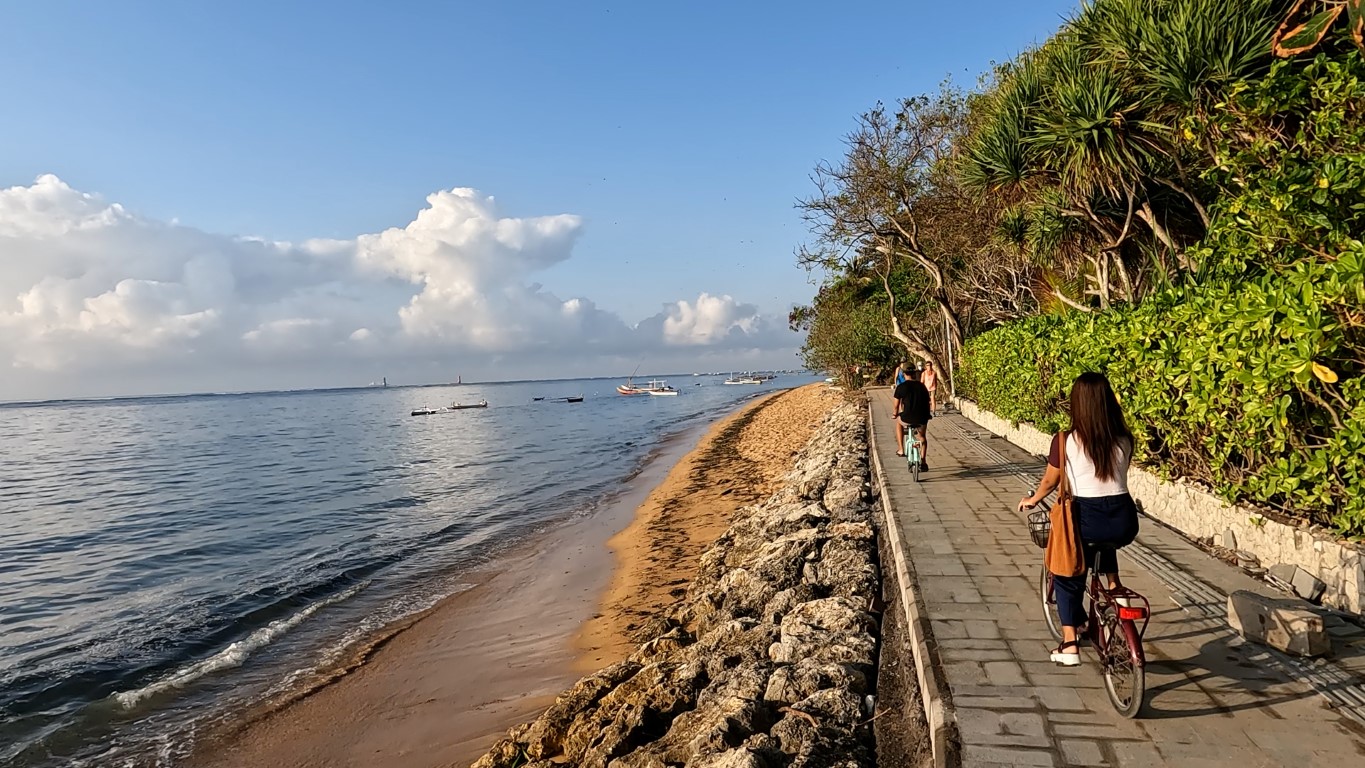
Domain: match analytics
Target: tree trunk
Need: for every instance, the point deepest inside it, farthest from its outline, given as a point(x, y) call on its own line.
point(1070, 302)
point(1145, 213)
point(912, 340)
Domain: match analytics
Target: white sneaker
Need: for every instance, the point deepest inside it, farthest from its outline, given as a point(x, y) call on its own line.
point(1071, 658)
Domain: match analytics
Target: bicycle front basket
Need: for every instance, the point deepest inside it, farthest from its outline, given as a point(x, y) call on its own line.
point(1039, 526)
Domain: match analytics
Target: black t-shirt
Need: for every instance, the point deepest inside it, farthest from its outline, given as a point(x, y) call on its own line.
point(914, 399)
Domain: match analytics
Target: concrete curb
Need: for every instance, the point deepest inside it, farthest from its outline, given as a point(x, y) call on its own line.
point(939, 712)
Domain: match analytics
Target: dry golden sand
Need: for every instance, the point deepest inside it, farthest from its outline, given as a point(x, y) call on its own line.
point(439, 690)
point(740, 461)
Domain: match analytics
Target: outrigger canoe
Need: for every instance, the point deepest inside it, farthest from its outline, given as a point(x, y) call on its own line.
point(449, 408)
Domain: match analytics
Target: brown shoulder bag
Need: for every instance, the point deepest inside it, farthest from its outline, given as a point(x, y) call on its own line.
point(1063, 555)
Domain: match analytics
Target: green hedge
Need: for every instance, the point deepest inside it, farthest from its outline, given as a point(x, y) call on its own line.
point(1253, 388)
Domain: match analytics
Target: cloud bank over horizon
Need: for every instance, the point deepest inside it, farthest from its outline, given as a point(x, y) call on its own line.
point(95, 299)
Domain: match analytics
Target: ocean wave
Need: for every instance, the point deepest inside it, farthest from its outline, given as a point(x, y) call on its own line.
point(233, 655)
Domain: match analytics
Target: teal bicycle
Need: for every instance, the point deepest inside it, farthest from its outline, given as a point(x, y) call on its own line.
point(914, 444)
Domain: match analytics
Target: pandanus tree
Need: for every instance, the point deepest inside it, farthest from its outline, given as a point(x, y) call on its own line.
point(1089, 135)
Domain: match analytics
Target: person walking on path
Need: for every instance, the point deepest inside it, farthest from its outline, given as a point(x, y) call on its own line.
point(1098, 450)
point(899, 378)
point(912, 412)
point(930, 381)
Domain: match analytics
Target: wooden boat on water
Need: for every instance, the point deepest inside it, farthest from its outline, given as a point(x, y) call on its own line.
point(655, 387)
point(449, 408)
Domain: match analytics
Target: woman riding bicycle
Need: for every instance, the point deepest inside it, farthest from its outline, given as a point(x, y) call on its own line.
point(1098, 449)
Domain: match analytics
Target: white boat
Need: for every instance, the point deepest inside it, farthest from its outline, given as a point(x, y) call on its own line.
point(660, 388)
point(743, 380)
point(656, 387)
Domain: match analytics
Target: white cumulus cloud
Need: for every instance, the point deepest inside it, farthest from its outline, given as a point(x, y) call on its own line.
point(94, 295)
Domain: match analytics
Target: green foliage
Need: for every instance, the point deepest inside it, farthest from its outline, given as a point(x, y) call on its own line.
point(1243, 386)
point(1290, 151)
point(845, 327)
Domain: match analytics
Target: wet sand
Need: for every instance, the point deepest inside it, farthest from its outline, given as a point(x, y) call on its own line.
point(441, 687)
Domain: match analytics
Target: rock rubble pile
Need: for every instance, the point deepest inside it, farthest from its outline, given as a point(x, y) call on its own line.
point(768, 661)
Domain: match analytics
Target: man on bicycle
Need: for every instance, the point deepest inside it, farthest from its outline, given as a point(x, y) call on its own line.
point(912, 413)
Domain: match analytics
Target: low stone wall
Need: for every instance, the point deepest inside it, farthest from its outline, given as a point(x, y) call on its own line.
point(1201, 515)
point(770, 658)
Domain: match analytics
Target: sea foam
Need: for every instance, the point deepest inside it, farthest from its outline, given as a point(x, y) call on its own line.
point(233, 655)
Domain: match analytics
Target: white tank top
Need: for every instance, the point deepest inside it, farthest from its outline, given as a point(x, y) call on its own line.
point(1081, 470)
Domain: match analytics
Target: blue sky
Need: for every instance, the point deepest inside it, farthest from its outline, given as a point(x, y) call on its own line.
point(680, 133)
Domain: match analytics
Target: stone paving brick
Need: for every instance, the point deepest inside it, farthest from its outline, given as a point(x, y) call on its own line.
point(1209, 702)
point(972, 755)
point(1087, 731)
point(1004, 673)
point(982, 629)
point(1059, 699)
point(1076, 752)
point(996, 701)
point(1132, 755)
point(1002, 653)
point(975, 644)
point(945, 630)
point(968, 672)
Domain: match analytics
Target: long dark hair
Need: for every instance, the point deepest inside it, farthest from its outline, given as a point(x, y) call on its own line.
point(1097, 421)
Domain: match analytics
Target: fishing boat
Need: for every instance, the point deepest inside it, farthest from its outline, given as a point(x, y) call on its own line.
point(578, 399)
point(654, 387)
point(743, 380)
point(448, 408)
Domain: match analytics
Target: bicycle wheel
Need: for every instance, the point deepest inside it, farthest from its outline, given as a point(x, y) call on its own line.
point(1125, 679)
point(1049, 600)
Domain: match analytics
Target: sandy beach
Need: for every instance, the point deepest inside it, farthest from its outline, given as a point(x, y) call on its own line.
point(440, 688)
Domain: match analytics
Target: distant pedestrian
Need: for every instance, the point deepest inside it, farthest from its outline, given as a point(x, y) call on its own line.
point(930, 381)
point(900, 374)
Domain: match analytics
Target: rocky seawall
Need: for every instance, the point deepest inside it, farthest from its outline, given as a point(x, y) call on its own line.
point(770, 658)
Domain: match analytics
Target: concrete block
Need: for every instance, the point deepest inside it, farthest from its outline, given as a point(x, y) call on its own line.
point(1284, 572)
point(1307, 586)
point(1299, 581)
point(1280, 624)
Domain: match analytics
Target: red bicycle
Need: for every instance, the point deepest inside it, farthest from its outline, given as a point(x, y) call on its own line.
point(1113, 628)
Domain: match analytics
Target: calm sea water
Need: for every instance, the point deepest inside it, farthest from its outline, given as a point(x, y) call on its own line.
point(166, 561)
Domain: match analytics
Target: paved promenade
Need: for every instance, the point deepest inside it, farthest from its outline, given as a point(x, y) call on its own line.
point(1212, 700)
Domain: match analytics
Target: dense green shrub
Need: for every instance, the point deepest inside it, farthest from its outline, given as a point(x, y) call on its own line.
point(1239, 385)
